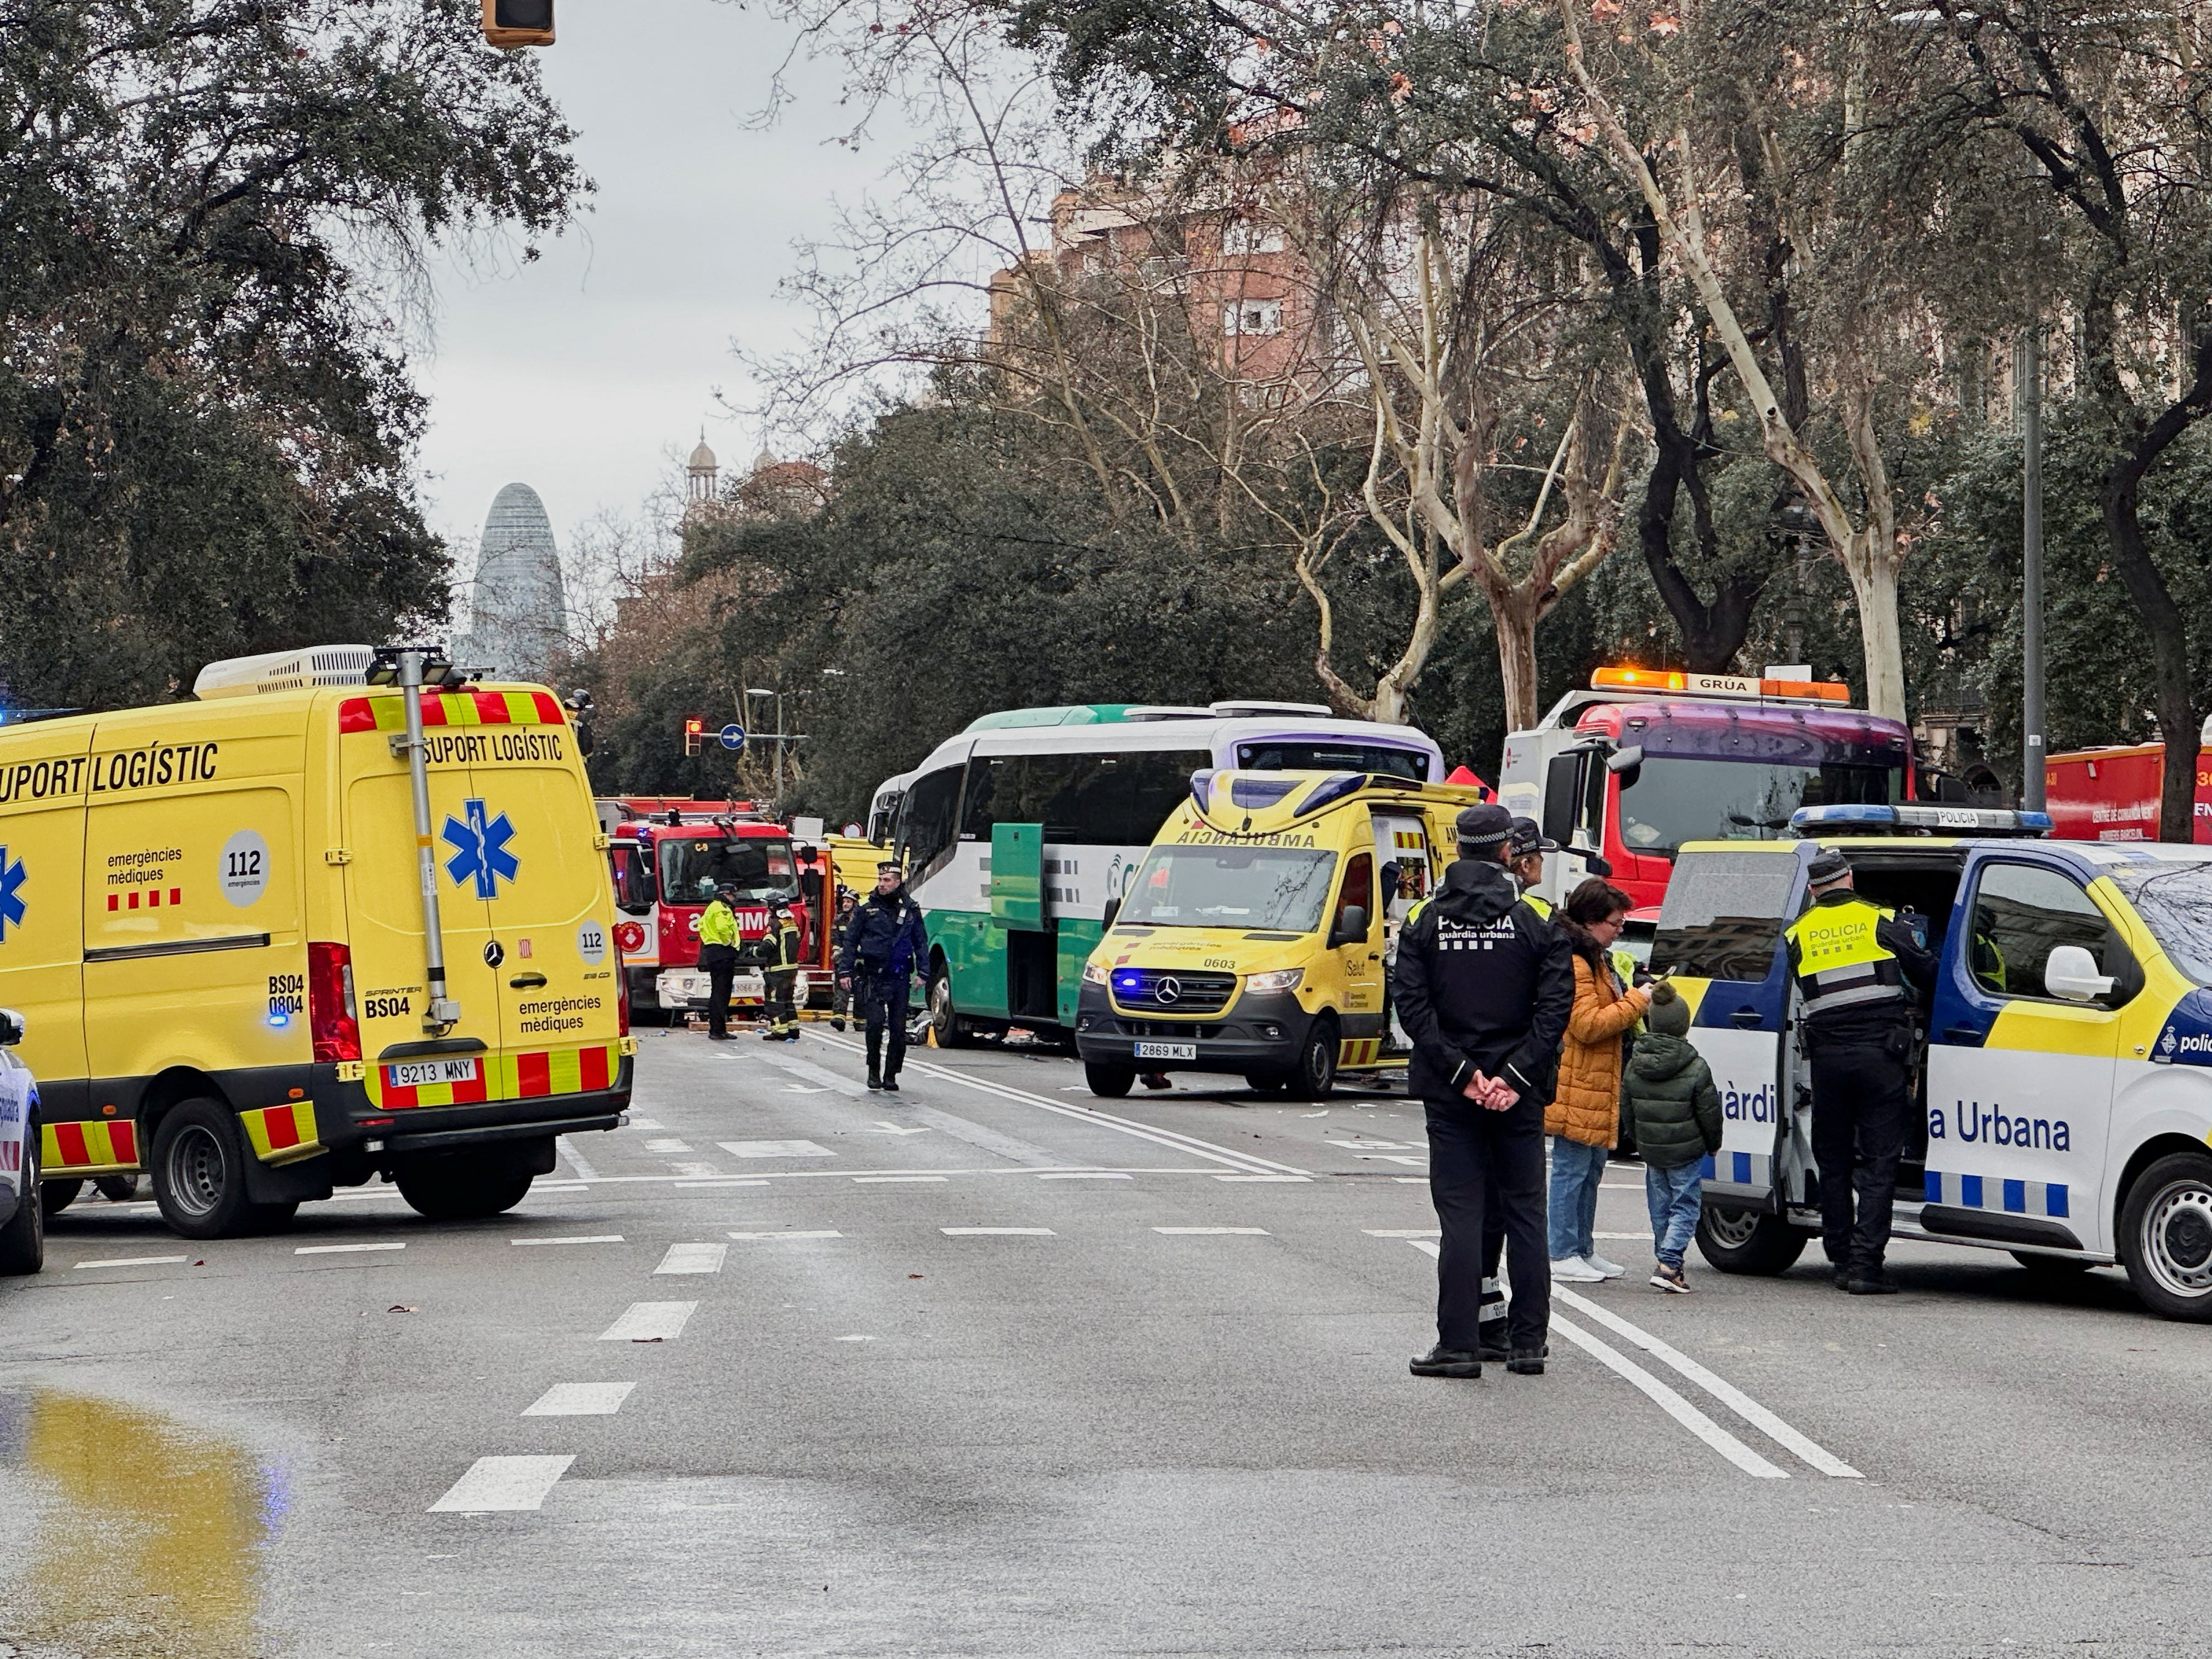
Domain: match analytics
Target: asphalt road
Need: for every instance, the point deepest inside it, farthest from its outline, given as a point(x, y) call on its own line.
point(789, 1368)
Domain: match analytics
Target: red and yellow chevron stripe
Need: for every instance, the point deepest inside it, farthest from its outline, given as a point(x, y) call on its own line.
point(508, 1077)
point(1412, 838)
point(388, 712)
point(282, 1134)
point(1359, 1051)
point(94, 1146)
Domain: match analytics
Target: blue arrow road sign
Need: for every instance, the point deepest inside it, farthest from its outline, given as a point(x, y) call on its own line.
point(733, 736)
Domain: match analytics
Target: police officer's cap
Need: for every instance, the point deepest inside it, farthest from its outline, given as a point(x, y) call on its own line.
point(1526, 838)
point(891, 864)
point(1828, 864)
point(1483, 826)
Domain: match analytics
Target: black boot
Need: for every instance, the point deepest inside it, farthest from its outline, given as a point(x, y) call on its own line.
point(1490, 1339)
point(1871, 1281)
point(874, 1080)
point(1441, 1361)
point(891, 1083)
point(1529, 1362)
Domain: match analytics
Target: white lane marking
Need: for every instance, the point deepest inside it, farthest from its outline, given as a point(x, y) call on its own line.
point(645, 1322)
point(1247, 1162)
point(1390, 1158)
point(693, 1259)
point(696, 1171)
point(581, 1238)
point(1659, 1394)
point(1006, 1147)
point(801, 1088)
point(539, 1187)
point(1201, 1232)
point(1403, 1232)
point(857, 1339)
point(1411, 1181)
point(503, 1483)
point(717, 1186)
point(881, 1180)
point(775, 1149)
point(579, 1400)
point(885, 1126)
point(1727, 1393)
point(342, 1249)
point(134, 1261)
point(756, 1238)
point(983, 1232)
point(644, 1123)
point(668, 1144)
point(1368, 1147)
point(577, 1161)
point(1263, 1178)
point(1644, 1236)
point(1094, 1174)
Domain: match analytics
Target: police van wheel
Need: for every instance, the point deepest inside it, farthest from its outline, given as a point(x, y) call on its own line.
point(1745, 1242)
point(199, 1172)
point(2166, 1237)
point(1110, 1081)
point(1315, 1076)
point(55, 1196)
point(459, 1189)
point(23, 1240)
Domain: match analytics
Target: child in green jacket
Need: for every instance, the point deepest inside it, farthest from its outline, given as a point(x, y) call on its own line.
point(1667, 1094)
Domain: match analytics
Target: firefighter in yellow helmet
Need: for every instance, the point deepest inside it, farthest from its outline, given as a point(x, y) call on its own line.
point(781, 973)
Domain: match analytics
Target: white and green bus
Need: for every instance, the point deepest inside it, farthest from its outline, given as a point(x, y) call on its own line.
point(1020, 835)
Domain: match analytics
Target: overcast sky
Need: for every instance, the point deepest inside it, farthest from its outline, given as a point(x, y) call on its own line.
point(577, 374)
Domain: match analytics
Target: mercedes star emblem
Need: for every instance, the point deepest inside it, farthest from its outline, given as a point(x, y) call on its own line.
point(1168, 990)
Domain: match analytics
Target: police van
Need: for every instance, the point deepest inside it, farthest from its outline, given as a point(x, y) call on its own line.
point(2064, 1064)
point(344, 915)
point(1253, 938)
point(22, 1220)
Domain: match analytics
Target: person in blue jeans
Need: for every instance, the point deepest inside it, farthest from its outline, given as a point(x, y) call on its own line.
point(1583, 1118)
point(1667, 1096)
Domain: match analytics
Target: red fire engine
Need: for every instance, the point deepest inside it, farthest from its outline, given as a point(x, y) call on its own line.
point(2111, 794)
point(669, 856)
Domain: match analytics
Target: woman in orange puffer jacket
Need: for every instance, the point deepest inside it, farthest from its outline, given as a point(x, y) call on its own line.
point(1584, 1119)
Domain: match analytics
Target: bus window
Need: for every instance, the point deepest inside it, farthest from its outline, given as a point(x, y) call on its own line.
point(1082, 800)
point(1270, 755)
point(926, 819)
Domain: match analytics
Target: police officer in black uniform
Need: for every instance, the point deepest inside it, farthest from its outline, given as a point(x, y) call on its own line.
point(1852, 961)
point(885, 943)
point(1484, 987)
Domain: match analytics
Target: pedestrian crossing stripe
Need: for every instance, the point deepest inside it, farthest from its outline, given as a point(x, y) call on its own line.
point(282, 1134)
point(93, 1146)
point(1971, 1191)
point(508, 1077)
point(1359, 1051)
point(459, 708)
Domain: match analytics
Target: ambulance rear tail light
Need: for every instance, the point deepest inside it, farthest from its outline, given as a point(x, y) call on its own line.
point(1680, 684)
point(332, 1019)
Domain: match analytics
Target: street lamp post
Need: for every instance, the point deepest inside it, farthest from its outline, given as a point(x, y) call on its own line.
point(2027, 360)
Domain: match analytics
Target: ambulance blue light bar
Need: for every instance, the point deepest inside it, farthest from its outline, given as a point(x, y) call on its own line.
point(1914, 818)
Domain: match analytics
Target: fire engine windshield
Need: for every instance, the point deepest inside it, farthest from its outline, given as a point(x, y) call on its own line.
point(1274, 888)
point(1669, 800)
point(692, 867)
point(2175, 902)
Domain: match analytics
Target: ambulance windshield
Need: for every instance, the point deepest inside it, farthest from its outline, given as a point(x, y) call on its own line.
point(1277, 889)
point(693, 866)
point(2175, 902)
point(1672, 799)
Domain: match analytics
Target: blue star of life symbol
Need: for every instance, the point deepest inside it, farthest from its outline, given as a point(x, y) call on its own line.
point(11, 893)
point(480, 850)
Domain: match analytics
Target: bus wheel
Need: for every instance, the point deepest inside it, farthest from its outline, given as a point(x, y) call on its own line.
point(2166, 1237)
point(23, 1240)
point(1110, 1081)
point(55, 1196)
point(199, 1172)
point(460, 1188)
point(1314, 1077)
point(1738, 1240)
point(951, 1030)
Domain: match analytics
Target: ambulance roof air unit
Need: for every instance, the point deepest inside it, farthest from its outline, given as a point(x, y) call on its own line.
point(299, 670)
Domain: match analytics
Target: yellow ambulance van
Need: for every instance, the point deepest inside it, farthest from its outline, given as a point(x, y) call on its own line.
point(1256, 937)
point(342, 916)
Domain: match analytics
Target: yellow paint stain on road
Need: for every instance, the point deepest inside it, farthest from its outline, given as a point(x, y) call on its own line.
point(149, 1534)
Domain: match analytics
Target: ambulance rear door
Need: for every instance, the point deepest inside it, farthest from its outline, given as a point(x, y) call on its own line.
point(552, 910)
point(408, 1068)
point(1720, 939)
point(42, 790)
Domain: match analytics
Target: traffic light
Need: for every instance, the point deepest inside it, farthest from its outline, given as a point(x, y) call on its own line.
point(695, 729)
point(519, 22)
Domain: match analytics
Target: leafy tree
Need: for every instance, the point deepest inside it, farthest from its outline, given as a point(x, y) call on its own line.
point(206, 418)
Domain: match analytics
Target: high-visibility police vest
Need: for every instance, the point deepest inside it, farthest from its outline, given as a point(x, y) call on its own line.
point(1841, 961)
point(719, 925)
point(1539, 903)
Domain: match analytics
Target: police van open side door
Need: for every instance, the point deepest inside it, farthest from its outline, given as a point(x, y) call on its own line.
point(1720, 940)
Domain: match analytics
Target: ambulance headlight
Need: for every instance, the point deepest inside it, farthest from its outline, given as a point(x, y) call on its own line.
point(1283, 979)
point(1093, 974)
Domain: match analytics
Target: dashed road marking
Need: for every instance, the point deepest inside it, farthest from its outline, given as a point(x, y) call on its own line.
point(1194, 1232)
point(696, 1171)
point(581, 1238)
point(1263, 1178)
point(503, 1483)
point(997, 1232)
point(693, 1259)
point(716, 1186)
point(134, 1261)
point(881, 1180)
point(577, 1161)
point(775, 1149)
point(1083, 1174)
point(759, 1238)
point(579, 1400)
point(669, 1146)
point(650, 1321)
point(343, 1250)
point(1403, 1232)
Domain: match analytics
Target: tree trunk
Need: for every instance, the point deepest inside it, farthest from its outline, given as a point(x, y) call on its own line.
point(2178, 722)
point(1873, 571)
point(1514, 618)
